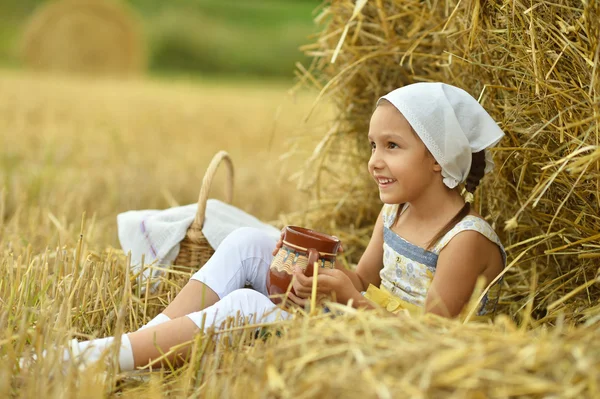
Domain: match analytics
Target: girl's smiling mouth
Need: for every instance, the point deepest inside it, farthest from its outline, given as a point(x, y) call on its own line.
point(384, 182)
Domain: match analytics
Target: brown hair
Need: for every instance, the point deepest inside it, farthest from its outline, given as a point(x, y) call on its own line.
point(475, 174)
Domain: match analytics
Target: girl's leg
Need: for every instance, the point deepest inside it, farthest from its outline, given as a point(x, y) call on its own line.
point(151, 343)
point(194, 296)
point(243, 258)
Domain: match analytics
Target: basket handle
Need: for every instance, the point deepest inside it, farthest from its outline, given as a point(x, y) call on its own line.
point(207, 182)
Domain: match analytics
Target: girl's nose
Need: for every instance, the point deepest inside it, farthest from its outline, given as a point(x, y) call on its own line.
point(375, 162)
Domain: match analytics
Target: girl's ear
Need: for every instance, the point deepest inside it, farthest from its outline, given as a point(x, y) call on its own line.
point(436, 166)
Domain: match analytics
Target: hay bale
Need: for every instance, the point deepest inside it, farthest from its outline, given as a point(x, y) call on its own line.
point(535, 69)
point(84, 36)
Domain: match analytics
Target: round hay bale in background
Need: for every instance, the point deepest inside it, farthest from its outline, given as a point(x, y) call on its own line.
point(97, 37)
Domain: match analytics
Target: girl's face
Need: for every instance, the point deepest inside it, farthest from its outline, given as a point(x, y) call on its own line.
point(400, 163)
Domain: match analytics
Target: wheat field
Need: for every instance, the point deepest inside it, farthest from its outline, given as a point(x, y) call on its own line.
point(76, 152)
point(103, 147)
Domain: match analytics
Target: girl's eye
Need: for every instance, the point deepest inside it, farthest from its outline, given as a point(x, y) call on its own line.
point(372, 145)
point(393, 145)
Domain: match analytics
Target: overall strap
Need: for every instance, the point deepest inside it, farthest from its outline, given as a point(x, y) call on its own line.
point(471, 222)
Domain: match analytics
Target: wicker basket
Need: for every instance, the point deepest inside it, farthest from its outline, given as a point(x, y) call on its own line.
point(194, 249)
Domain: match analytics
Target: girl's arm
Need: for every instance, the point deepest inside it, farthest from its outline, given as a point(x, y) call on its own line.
point(370, 263)
point(459, 264)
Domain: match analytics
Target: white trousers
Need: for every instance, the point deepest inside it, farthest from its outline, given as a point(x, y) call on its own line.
point(242, 259)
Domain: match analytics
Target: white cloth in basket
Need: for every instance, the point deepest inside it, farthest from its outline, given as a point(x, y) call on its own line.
point(156, 234)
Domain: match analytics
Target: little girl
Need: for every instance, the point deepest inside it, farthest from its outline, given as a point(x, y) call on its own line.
point(427, 249)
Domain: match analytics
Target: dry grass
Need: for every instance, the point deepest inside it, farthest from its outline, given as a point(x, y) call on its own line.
point(358, 354)
point(75, 153)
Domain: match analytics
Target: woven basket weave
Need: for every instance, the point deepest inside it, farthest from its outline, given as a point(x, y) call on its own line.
point(194, 249)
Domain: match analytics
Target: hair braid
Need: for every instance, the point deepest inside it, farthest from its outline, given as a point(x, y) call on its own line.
point(477, 171)
point(475, 174)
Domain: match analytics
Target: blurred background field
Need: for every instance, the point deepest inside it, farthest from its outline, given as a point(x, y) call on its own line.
point(102, 147)
point(250, 38)
point(218, 76)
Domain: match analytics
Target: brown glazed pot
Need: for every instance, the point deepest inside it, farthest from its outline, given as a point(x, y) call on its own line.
point(301, 248)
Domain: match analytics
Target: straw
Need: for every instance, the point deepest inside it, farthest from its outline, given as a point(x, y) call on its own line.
point(534, 68)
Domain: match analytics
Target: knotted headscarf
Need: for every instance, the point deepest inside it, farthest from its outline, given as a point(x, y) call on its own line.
point(451, 124)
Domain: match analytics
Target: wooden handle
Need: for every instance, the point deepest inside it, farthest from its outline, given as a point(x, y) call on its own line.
point(207, 182)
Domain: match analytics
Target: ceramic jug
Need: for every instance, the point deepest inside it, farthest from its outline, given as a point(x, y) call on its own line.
point(301, 248)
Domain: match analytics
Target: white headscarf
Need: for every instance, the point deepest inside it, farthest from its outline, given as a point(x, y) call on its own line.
point(451, 124)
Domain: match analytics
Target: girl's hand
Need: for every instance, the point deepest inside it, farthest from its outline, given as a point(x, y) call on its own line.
point(329, 282)
point(341, 248)
point(279, 243)
point(303, 302)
